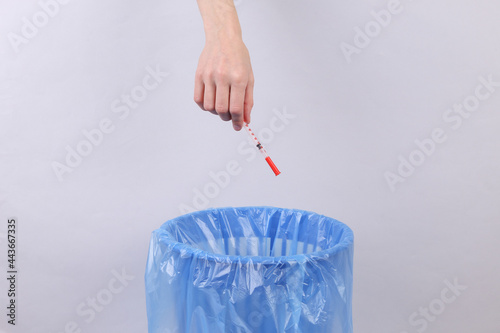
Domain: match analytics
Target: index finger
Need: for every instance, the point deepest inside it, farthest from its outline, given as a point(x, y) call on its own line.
point(248, 104)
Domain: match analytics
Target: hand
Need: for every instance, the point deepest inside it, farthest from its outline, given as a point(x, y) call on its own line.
point(224, 79)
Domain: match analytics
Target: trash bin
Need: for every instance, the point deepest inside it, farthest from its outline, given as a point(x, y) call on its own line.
point(250, 269)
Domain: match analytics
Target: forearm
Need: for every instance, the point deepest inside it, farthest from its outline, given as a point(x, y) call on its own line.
point(220, 19)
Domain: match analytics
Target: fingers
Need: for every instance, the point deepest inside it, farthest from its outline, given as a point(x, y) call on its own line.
point(229, 99)
point(222, 102)
point(209, 97)
point(199, 88)
point(248, 104)
point(236, 105)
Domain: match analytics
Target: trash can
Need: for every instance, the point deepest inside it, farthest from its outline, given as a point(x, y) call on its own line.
point(250, 269)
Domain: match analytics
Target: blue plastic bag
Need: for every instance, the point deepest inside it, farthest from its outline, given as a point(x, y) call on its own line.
point(250, 269)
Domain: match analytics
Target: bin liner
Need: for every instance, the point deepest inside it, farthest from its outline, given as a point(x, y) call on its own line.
point(250, 269)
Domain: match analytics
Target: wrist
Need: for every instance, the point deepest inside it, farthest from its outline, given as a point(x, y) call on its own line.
point(227, 32)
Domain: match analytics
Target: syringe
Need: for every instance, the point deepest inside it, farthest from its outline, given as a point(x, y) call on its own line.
point(262, 150)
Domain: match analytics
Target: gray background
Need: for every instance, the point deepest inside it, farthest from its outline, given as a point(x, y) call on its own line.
point(352, 122)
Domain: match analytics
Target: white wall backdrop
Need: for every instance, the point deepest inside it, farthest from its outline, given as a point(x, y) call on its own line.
point(382, 114)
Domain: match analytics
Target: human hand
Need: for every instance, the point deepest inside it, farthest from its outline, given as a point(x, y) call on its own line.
point(224, 79)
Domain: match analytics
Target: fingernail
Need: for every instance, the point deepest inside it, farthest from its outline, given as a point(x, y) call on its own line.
point(237, 127)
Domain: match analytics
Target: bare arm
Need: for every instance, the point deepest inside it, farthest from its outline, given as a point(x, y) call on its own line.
point(224, 78)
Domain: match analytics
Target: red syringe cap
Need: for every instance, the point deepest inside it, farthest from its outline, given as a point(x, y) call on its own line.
point(272, 165)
